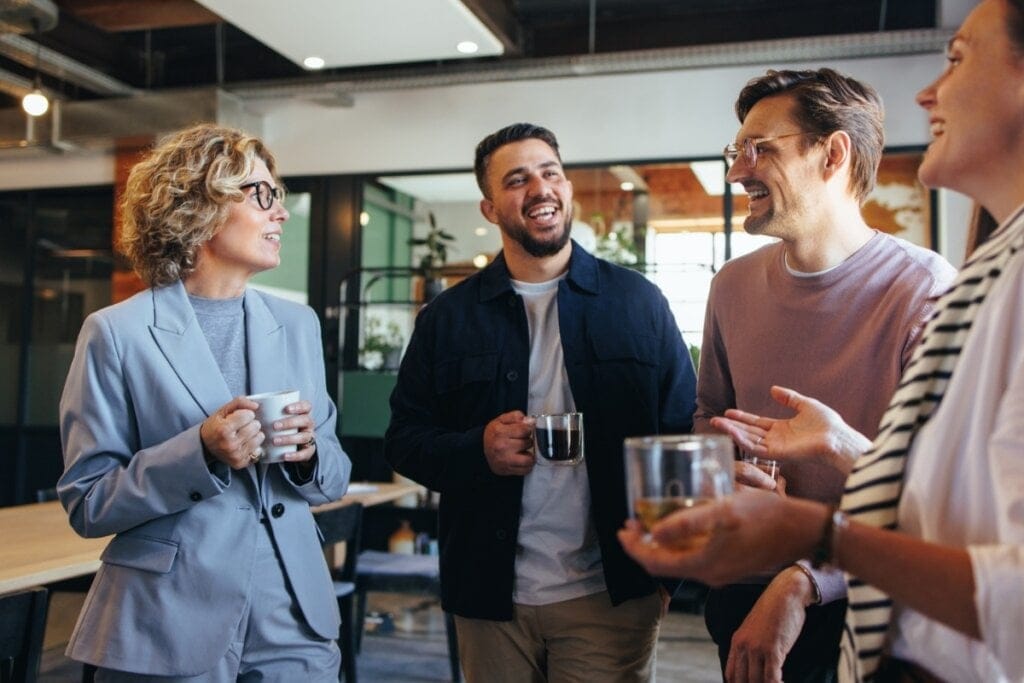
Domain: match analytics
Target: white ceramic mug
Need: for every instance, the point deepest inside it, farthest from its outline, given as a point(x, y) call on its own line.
point(272, 405)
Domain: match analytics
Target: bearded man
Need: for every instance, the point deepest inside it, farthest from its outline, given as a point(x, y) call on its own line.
point(531, 568)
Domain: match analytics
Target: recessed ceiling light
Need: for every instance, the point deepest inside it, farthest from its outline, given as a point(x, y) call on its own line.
point(313, 62)
point(480, 232)
point(626, 187)
point(467, 47)
point(364, 218)
point(480, 260)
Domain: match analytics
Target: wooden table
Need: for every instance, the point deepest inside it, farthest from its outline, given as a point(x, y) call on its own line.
point(38, 545)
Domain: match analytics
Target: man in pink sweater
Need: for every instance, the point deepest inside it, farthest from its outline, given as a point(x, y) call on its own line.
point(832, 310)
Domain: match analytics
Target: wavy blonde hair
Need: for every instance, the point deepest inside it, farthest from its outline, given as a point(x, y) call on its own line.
point(179, 196)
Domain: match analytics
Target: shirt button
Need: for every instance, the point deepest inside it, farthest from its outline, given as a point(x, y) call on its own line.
point(511, 375)
point(277, 510)
point(195, 496)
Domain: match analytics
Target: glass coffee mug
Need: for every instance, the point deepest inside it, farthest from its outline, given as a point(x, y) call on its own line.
point(558, 438)
point(669, 473)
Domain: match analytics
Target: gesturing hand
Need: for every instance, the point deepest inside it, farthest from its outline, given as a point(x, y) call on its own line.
point(508, 439)
point(815, 432)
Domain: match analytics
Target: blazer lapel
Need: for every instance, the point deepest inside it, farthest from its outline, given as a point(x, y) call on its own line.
point(176, 331)
point(267, 347)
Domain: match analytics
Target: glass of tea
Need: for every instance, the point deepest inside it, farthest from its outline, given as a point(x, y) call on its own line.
point(669, 473)
point(558, 439)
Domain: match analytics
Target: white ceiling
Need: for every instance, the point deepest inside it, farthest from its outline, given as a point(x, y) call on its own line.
point(436, 187)
point(348, 33)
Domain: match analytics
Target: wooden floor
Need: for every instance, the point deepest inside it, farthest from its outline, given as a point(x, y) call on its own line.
point(414, 648)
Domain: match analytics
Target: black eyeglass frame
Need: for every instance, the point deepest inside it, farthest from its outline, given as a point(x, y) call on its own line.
point(732, 151)
point(265, 192)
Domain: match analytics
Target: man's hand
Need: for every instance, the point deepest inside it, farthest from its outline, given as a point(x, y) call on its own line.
point(761, 644)
point(815, 432)
point(508, 440)
point(749, 475)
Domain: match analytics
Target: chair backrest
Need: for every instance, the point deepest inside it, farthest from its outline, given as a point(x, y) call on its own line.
point(343, 524)
point(22, 623)
point(46, 495)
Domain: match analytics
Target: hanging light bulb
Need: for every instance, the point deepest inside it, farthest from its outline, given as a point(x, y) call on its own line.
point(35, 103)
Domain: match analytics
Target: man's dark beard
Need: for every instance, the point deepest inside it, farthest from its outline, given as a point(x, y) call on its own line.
point(537, 248)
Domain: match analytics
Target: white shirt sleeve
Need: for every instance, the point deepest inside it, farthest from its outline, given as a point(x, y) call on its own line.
point(999, 568)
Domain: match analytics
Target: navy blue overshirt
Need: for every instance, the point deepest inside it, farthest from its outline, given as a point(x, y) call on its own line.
point(467, 362)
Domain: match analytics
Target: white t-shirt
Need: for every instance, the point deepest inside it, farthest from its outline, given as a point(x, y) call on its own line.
point(557, 557)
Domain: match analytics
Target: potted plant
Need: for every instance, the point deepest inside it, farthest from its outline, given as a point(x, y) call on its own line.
point(433, 257)
point(382, 345)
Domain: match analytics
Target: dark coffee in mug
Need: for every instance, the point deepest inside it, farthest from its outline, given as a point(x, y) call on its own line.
point(559, 444)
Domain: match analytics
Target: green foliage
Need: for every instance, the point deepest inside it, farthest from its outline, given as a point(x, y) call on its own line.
point(379, 342)
point(436, 243)
point(617, 246)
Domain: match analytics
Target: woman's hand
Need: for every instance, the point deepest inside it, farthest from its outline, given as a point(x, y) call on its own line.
point(299, 418)
point(728, 539)
point(815, 432)
point(232, 434)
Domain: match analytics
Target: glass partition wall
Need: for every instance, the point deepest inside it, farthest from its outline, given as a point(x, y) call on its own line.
point(55, 271)
point(676, 222)
point(347, 252)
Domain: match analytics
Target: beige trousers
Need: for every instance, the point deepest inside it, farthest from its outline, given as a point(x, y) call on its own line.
point(584, 640)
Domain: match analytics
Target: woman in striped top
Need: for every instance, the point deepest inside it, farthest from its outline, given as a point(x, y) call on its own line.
point(931, 528)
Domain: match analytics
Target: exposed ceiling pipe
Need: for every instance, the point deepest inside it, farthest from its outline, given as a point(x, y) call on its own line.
point(816, 49)
point(53, 63)
point(25, 16)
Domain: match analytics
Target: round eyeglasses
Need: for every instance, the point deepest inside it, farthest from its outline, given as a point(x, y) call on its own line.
point(749, 147)
point(265, 193)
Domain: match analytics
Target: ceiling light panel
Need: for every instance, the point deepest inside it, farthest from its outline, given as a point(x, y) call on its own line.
point(361, 32)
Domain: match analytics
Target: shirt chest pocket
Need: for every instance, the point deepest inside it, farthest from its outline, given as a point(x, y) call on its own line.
point(626, 368)
point(638, 349)
point(453, 374)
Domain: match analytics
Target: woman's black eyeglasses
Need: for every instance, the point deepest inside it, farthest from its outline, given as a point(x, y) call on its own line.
point(265, 193)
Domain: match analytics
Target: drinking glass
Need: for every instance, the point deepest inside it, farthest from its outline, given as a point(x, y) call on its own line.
point(669, 473)
point(766, 465)
point(558, 439)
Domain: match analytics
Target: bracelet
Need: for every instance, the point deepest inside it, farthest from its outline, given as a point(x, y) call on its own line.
point(825, 552)
point(810, 577)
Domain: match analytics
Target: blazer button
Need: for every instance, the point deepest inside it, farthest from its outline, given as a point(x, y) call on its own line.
point(277, 510)
point(500, 534)
point(195, 496)
point(511, 375)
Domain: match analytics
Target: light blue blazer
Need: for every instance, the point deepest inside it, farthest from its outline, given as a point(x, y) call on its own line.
point(172, 587)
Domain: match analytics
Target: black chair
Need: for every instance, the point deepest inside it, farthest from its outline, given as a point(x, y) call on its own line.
point(22, 624)
point(399, 573)
point(344, 525)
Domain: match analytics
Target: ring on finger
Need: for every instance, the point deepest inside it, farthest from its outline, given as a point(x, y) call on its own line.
point(312, 441)
point(256, 454)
